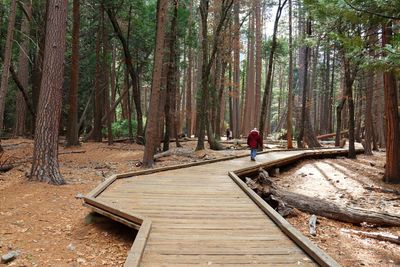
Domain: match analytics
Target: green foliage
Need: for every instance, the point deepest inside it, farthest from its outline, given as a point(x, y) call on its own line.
point(281, 50)
point(121, 129)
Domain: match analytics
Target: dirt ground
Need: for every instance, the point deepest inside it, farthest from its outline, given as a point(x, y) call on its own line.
point(49, 226)
point(342, 180)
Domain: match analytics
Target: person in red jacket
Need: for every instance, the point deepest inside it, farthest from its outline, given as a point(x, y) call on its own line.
point(253, 141)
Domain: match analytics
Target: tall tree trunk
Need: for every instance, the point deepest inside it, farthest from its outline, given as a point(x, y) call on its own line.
point(258, 61)
point(23, 73)
point(152, 122)
point(189, 81)
point(248, 119)
point(326, 107)
point(125, 97)
point(113, 81)
point(38, 64)
point(379, 110)
point(98, 94)
point(268, 83)
point(306, 130)
point(339, 110)
point(269, 105)
point(106, 75)
point(313, 96)
point(392, 170)
point(290, 81)
point(359, 107)
point(176, 96)
point(368, 113)
point(72, 123)
point(7, 61)
point(236, 72)
point(331, 95)
point(220, 106)
point(171, 79)
point(45, 165)
point(207, 62)
point(349, 75)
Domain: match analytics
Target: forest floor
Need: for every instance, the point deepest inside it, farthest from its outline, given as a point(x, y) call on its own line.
point(49, 226)
point(343, 181)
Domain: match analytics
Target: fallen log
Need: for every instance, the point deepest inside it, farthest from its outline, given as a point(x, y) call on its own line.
point(330, 135)
point(375, 235)
point(284, 200)
point(71, 152)
point(335, 211)
point(6, 168)
point(382, 190)
point(17, 144)
point(179, 151)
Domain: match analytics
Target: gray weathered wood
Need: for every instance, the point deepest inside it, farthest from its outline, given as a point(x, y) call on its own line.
point(310, 248)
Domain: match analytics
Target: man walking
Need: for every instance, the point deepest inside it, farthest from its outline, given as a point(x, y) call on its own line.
point(253, 140)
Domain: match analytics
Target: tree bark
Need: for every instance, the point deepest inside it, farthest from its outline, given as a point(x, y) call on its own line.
point(72, 123)
point(248, 119)
point(221, 99)
point(349, 76)
point(338, 212)
point(45, 165)
point(189, 80)
point(236, 72)
point(152, 122)
point(38, 64)
point(23, 74)
point(331, 95)
point(7, 61)
point(258, 61)
point(379, 110)
point(359, 107)
point(392, 170)
point(306, 130)
point(171, 79)
point(106, 75)
point(290, 81)
point(369, 95)
point(207, 62)
point(368, 114)
point(98, 94)
point(113, 81)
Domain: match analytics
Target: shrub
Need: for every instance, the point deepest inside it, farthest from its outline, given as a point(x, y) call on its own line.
point(120, 128)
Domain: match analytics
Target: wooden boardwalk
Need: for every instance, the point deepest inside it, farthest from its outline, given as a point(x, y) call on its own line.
point(205, 215)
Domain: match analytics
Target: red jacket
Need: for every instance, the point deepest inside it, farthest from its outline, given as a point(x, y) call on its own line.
point(254, 139)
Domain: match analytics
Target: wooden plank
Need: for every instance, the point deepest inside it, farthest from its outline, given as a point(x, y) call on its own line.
point(137, 249)
point(101, 205)
point(277, 162)
point(101, 187)
point(202, 213)
point(310, 248)
point(173, 167)
point(192, 164)
point(113, 217)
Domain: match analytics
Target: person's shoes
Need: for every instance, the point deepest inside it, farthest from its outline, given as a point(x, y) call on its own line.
point(253, 159)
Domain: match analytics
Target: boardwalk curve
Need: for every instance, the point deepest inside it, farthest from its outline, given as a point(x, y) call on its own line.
point(204, 215)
